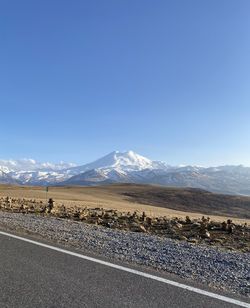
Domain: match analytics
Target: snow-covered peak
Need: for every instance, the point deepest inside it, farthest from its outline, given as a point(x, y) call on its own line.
point(120, 161)
point(130, 161)
point(31, 165)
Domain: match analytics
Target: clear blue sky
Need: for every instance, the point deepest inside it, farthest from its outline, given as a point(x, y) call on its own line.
point(167, 79)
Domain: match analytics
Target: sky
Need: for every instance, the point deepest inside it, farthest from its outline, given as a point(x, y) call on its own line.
point(169, 80)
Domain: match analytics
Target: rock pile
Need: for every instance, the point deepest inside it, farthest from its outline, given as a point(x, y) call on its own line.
point(227, 234)
point(25, 206)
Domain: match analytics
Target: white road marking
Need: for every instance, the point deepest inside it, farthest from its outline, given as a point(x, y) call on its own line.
point(129, 270)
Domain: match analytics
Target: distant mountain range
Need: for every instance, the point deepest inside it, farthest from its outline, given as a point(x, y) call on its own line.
point(127, 167)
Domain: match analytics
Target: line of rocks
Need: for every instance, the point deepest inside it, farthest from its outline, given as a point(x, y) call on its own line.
point(227, 235)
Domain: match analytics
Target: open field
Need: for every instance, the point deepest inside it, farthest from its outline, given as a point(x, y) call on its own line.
point(166, 212)
point(154, 200)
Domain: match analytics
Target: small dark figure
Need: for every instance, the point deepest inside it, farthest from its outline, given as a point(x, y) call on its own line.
point(50, 205)
point(230, 226)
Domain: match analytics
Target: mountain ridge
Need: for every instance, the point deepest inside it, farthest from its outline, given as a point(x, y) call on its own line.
point(127, 167)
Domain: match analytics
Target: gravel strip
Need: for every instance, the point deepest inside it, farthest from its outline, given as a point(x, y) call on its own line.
point(224, 270)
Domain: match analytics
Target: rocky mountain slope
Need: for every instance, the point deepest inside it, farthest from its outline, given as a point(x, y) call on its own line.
point(127, 167)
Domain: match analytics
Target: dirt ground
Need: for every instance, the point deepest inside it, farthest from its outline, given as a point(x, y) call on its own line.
point(127, 197)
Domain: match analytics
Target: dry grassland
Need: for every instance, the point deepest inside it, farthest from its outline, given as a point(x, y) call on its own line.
point(154, 200)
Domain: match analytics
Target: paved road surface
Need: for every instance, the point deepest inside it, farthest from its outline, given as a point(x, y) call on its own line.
point(33, 276)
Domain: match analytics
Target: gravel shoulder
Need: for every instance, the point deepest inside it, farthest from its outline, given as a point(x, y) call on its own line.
point(211, 266)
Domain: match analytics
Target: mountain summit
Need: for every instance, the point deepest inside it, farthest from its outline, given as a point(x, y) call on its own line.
point(127, 167)
point(120, 161)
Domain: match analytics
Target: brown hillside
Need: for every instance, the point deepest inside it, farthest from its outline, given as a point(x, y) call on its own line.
point(155, 200)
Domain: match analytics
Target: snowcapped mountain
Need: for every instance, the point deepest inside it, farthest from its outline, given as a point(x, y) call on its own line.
point(31, 165)
point(120, 161)
point(38, 177)
point(5, 178)
point(126, 167)
point(29, 171)
point(112, 168)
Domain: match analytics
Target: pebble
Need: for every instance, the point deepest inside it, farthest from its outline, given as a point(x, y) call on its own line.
point(208, 265)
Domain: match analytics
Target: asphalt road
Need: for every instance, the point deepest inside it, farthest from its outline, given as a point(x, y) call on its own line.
point(33, 276)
